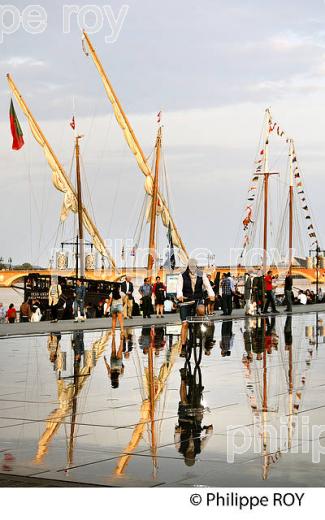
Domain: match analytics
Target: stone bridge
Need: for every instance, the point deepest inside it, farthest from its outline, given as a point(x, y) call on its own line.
point(9, 278)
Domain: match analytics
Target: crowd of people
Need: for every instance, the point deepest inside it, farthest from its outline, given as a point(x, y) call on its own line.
point(256, 293)
point(120, 304)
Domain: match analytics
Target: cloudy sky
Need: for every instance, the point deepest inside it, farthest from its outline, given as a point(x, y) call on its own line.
point(211, 66)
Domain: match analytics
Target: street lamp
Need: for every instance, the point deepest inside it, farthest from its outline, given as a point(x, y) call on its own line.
point(212, 258)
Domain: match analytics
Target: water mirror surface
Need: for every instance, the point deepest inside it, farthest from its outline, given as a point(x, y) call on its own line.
point(133, 411)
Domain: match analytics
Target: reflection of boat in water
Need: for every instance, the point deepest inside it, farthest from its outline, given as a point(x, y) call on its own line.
point(68, 393)
point(152, 389)
point(275, 370)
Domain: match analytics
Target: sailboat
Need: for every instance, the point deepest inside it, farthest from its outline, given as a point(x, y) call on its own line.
point(159, 204)
point(60, 178)
point(37, 285)
point(275, 218)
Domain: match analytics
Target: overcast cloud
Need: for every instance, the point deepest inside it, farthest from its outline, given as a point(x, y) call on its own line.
point(211, 66)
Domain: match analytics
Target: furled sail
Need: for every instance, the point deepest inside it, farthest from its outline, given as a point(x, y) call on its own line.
point(136, 149)
point(60, 178)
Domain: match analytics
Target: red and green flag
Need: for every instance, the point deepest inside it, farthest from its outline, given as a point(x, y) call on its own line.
point(16, 131)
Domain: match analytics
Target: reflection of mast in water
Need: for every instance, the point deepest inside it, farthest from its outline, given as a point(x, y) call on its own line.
point(66, 396)
point(264, 332)
point(78, 349)
point(154, 387)
point(288, 347)
point(152, 392)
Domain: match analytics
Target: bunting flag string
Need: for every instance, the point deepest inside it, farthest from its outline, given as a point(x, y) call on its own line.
point(274, 127)
point(301, 192)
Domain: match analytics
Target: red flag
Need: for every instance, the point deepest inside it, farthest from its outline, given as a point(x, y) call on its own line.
point(16, 131)
point(73, 124)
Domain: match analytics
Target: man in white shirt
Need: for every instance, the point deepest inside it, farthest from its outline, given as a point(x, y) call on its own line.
point(191, 285)
point(302, 298)
point(168, 306)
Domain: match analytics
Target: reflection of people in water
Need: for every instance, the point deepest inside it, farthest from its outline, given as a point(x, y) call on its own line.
point(288, 333)
point(144, 340)
point(247, 359)
point(188, 433)
point(271, 337)
point(204, 332)
point(227, 338)
point(159, 340)
point(78, 345)
point(116, 368)
point(248, 341)
point(258, 338)
point(127, 342)
point(53, 346)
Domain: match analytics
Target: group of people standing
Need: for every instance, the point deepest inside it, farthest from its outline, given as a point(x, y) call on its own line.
point(259, 293)
point(28, 311)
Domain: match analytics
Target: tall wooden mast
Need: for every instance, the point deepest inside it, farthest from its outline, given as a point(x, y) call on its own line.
point(80, 216)
point(153, 216)
point(266, 174)
point(291, 154)
point(266, 189)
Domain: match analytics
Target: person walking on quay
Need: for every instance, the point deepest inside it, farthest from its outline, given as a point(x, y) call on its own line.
point(79, 301)
point(227, 293)
point(146, 295)
point(115, 303)
point(159, 291)
point(258, 291)
point(247, 293)
point(55, 292)
point(288, 291)
point(127, 288)
point(191, 285)
point(268, 279)
point(2, 313)
point(25, 312)
point(11, 314)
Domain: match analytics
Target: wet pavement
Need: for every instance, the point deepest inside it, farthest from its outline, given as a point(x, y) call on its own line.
point(244, 407)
